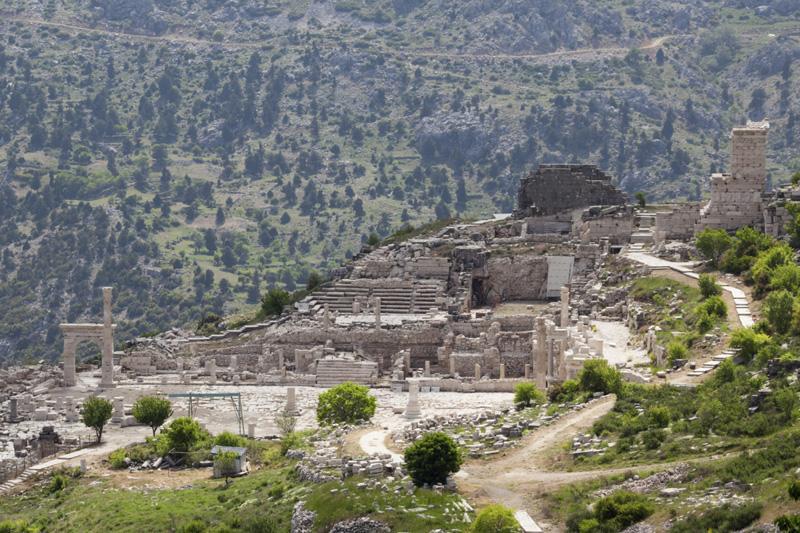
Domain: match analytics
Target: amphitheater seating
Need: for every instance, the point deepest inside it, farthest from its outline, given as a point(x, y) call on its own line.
point(397, 296)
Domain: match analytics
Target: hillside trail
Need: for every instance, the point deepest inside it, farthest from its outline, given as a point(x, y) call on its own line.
point(575, 54)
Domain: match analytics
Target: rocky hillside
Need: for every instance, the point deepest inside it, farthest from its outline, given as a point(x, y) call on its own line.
point(193, 154)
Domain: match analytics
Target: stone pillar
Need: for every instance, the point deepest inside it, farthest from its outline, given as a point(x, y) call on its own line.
point(211, 366)
point(540, 360)
point(326, 317)
point(412, 409)
point(477, 371)
point(564, 306)
point(251, 431)
point(452, 365)
point(237, 379)
point(69, 361)
point(427, 369)
point(119, 410)
point(291, 402)
point(71, 415)
point(356, 306)
point(281, 360)
point(234, 365)
point(107, 380)
point(377, 308)
point(12, 409)
point(502, 371)
point(527, 371)
point(83, 466)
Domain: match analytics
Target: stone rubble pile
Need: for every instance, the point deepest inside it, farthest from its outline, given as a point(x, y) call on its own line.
point(652, 483)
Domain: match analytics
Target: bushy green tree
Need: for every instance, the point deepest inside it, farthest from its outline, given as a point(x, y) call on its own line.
point(748, 342)
point(183, 433)
point(432, 458)
point(778, 307)
point(709, 286)
point(713, 306)
point(495, 518)
point(273, 303)
point(598, 376)
point(96, 414)
point(526, 394)
point(348, 402)
point(641, 199)
point(712, 243)
point(152, 411)
point(226, 438)
point(677, 350)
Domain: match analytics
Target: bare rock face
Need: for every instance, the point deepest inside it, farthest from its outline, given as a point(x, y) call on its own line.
point(456, 137)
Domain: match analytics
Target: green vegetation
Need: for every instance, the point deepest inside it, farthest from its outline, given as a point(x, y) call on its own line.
point(723, 519)
point(709, 286)
point(495, 519)
point(597, 375)
point(152, 411)
point(611, 514)
point(96, 414)
point(526, 395)
point(348, 402)
point(432, 458)
point(183, 434)
point(226, 438)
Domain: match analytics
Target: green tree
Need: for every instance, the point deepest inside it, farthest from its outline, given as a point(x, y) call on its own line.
point(348, 402)
point(96, 414)
point(225, 465)
point(183, 433)
point(748, 342)
point(495, 518)
point(273, 303)
point(794, 490)
point(641, 199)
point(676, 350)
point(778, 308)
point(598, 376)
point(373, 239)
point(712, 243)
point(314, 281)
point(709, 286)
point(432, 458)
point(226, 438)
point(152, 411)
point(526, 394)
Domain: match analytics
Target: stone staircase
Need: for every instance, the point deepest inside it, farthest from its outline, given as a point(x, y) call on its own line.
point(332, 372)
point(710, 366)
point(12, 483)
point(644, 233)
point(397, 296)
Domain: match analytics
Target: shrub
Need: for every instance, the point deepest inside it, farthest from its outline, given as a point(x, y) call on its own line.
point(183, 433)
point(564, 392)
point(527, 394)
point(226, 438)
point(714, 306)
point(794, 487)
point(195, 526)
point(658, 416)
point(768, 261)
point(225, 464)
point(709, 286)
point(495, 519)
point(653, 438)
point(347, 402)
point(117, 458)
point(273, 303)
point(598, 376)
point(786, 277)
point(432, 458)
point(17, 526)
point(58, 483)
point(712, 243)
point(96, 414)
point(720, 519)
point(778, 308)
point(152, 411)
point(788, 523)
point(748, 342)
point(676, 350)
point(617, 511)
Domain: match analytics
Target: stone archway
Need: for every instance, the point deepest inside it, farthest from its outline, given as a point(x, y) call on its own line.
point(101, 334)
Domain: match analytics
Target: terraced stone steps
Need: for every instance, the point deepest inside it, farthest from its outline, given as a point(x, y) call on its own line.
point(332, 372)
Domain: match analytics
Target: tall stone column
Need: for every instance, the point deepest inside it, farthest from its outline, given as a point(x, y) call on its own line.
point(211, 366)
point(12, 410)
point(540, 362)
point(107, 365)
point(291, 402)
point(377, 307)
point(564, 306)
point(69, 362)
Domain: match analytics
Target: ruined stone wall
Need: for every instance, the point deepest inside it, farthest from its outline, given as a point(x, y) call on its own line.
point(776, 216)
point(677, 222)
point(516, 277)
point(555, 188)
point(736, 197)
point(616, 226)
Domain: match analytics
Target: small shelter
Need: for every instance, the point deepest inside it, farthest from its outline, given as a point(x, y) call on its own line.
point(239, 466)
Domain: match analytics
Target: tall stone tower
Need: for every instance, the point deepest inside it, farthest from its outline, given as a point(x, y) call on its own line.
point(736, 197)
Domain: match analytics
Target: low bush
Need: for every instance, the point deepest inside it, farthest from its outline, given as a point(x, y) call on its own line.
point(226, 438)
point(709, 286)
point(347, 402)
point(495, 519)
point(117, 458)
point(615, 512)
point(526, 394)
point(720, 519)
